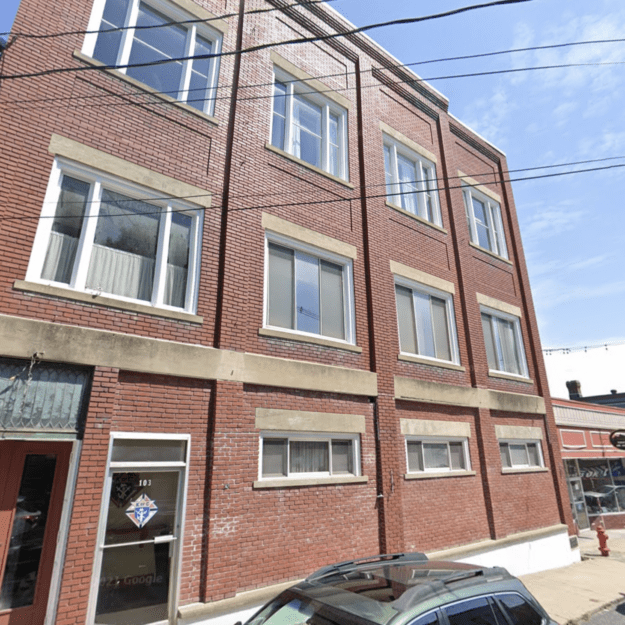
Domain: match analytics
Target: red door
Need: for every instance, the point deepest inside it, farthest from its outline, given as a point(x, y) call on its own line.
point(32, 485)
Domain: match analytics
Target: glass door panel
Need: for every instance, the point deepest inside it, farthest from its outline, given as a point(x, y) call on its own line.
point(23, 557)
point(139, 540)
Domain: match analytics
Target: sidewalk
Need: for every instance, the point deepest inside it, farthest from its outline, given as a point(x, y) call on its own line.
point(571, 593)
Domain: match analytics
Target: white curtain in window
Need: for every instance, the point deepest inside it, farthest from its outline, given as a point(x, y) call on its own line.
point(309, 456)
point(508, 346)
point(60, 258)
point(175, 285)
point(120, 273)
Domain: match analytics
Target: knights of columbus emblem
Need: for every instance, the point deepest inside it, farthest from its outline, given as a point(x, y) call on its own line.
point(141, 510)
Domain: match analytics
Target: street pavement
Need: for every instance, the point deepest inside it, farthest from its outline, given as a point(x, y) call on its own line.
point(573, 593)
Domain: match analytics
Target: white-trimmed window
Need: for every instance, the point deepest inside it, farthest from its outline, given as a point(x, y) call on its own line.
point(98, 234)
point(504, 342)
point(308, 455)
point(437, 455)
point(425, 317)
point(308, 291)
point(520, 454)
point(484, 220)
point(308, 125)
point(148, 36)
point(411, 181)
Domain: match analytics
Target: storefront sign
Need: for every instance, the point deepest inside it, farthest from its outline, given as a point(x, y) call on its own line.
point(617, 439)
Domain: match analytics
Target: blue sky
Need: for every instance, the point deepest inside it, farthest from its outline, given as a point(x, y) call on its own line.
point(572, 226)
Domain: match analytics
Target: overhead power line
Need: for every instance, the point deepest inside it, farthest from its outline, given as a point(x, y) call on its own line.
point(155, 100)
point(440, 180)
point(207, 20)
point(263, 46)
point(335, 200)
point(549, 351)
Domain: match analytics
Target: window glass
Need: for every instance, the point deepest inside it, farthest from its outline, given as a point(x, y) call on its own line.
point(502, 339)
point(308, 126)
point(410, 181)
point(66, 230)
point(484, 221)
point(274, 457)
point(178, 260)
point(279, 115)
point(309, 456)
point(519, 610)
point(200, 74)
point(427, 619)
point(123, 253)
point(424, 324)
point(107, 45)
point(151, 45)
point(472, 612)
point(124, 248)
point(293, 456)
point(520, 454)
point(436, 455)
point(306, 293)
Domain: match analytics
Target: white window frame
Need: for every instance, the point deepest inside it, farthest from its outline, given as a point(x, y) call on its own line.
point(525, 442)
point(348, 286)
point(438, 440)
point(112, 467)
point(307, 92)
point(494, 219)
point(97, 181)
point(310, 437)
point(449, 310)
point(518, 338)
point(175, 14)
point(393, 187)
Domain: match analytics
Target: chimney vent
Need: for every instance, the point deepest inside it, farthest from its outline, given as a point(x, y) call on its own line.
point(613, 391)
point(575, 389)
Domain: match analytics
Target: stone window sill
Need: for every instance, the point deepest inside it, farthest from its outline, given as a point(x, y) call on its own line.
point(320, 481)
point(299, 161)
point(431, 363)
point(102, 300)
point(278, 334)
point(429, 476)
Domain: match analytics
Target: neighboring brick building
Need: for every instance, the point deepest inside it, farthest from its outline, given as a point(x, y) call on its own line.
point(594, 468)
point(258, 313)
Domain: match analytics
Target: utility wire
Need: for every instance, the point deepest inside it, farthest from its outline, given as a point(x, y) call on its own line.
point(310, 203)
point(160, 102)
point(549, 351)
point(263, 46)
point(116, 29)
point(439, 180)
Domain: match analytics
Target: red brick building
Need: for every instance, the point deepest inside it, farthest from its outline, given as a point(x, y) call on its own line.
point(595, 469)
point(258, 312)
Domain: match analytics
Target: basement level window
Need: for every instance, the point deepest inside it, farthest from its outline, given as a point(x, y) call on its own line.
point(141, 38)
point(308, 455)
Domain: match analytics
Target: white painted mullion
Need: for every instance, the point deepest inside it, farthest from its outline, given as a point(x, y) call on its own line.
point(93, 27)
point(160, 266)
point(213, 77)
point(468, 198)
point(185, 79)
point(325, 138)
point(288, 123)
point(395, 184)
point(190, 301)
point(343, 154)
point(44, 229)
point(85, 245)
point(128, 34)
point(422, 187)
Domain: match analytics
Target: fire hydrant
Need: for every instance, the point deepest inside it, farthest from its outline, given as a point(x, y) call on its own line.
point(603, 540)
